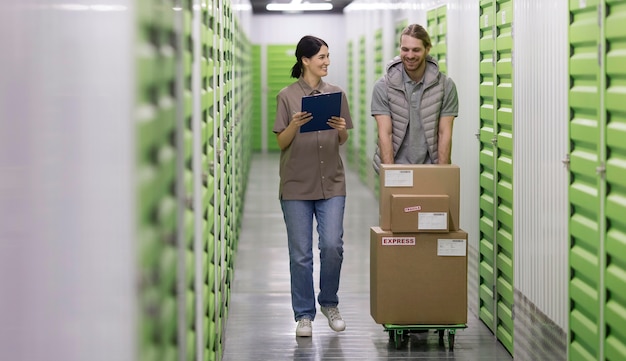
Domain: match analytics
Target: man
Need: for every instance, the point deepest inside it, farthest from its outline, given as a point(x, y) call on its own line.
point(414, 106)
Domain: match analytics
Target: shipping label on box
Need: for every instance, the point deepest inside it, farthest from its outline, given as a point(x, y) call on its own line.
point(399, 178)
point(432, 221)
point(419, 213)
point(452, 247)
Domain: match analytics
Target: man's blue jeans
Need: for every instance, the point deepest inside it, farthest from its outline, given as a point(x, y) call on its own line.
point(298, 215)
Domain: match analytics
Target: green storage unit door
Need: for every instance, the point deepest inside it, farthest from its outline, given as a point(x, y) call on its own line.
point(379, 60)
point(615, 206)
point(156, 178)
point(208, 71)
point(189, 265)
point(257, 92)
point(487, 164)
point(442, 34)
point(400, 25)
point(280, 59)
point(597, 188)
point(437, 29)
point(504, 166)
point(352, 145)
point(431, 27)
point(364, 116)
point(584, 189)
point(496, 169)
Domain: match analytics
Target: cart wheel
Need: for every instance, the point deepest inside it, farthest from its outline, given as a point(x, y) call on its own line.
point(441, 337)
point(451, 340)
point(399, 337)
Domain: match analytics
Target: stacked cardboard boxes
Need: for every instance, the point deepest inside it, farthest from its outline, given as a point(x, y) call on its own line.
point(418, 253)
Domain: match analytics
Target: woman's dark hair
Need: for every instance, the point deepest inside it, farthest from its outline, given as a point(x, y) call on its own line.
point(307, 47)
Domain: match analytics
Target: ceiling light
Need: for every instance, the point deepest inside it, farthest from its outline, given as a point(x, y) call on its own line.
point(299, 7)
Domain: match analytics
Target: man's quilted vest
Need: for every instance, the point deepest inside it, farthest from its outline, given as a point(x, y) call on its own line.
point(430, 106)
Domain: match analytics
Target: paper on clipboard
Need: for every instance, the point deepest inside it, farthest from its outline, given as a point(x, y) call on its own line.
point(322, 107)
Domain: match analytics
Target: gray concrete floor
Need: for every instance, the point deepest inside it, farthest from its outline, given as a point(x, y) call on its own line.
point(260, 322)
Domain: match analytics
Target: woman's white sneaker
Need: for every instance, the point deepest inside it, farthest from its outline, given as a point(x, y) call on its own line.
point(334, 318)
point(304, 329)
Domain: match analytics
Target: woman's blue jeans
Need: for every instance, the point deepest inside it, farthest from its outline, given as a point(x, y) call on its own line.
point(298, 215)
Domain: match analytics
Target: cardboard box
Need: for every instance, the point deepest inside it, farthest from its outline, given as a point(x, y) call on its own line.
point(419, 213)
point(419, 179)
point(418, 278)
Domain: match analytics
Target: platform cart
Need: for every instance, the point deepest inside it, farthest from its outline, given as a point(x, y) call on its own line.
point(399, 333)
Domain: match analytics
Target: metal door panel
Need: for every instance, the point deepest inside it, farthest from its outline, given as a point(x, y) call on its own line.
point(615, 311)
point(505, 327)
point(364, 120)
point(258, 131)
point(486, 304)
point(486, 77)
point(615, 202)
point(579, 349)
point(504, 168)
point(442, 46)
point(431, 21)
point(433, 29)
point(485, 156)
point(504, 213)
point(584, 189)
point(436, 25)
point(379, 60)
point(280, 59)
point(487, 163)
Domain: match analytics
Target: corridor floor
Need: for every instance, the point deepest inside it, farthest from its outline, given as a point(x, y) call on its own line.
point(260, 323)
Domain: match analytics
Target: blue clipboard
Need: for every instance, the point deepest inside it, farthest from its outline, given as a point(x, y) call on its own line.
point(322, 107)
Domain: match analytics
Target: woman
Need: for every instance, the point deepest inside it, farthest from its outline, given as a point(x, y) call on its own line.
point(312, 184)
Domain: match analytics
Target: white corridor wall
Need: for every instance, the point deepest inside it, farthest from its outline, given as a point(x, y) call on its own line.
point(541, 84)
